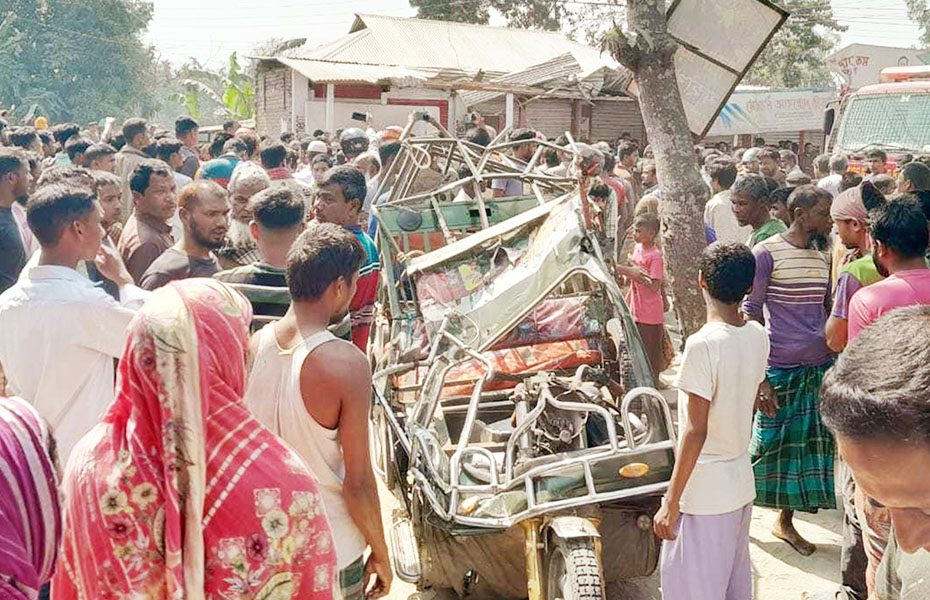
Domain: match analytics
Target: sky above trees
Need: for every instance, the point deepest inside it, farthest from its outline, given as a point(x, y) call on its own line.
point(211, 29)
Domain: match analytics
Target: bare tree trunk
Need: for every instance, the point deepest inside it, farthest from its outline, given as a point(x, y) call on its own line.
point(648, 51)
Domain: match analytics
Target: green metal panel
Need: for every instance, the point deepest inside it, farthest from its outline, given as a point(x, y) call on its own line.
point(458, 215)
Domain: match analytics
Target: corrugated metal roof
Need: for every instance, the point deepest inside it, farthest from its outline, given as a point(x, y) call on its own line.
point(330, 72)
point(442, 45)
point(559, 68)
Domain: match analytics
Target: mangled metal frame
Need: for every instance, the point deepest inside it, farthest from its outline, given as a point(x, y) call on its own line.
point(483, 164)
point(570, 252)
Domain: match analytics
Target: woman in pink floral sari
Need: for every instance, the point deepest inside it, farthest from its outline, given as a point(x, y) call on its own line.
point(180, 492)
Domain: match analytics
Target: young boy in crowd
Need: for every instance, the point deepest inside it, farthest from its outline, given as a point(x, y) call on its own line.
point(645, 273)
point(109, 194)
point(778, 201)
point(605, 217)
point(705, 515)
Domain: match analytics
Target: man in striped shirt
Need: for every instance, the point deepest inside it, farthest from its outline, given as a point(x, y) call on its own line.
point(792, 452)
point(339, 201)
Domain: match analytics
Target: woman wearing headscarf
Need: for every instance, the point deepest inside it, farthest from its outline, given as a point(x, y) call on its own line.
point(180, 492)
point(30, 525)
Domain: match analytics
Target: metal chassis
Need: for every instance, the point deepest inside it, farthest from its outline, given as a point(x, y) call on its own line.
point(483, 163)
point(417, 445)
point(413, 436)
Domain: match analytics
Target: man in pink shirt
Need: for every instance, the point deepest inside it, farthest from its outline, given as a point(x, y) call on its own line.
point(900, 239)
point(899, 233)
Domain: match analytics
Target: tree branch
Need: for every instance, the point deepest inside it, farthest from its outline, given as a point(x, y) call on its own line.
point(623, 47)
point(632, 48)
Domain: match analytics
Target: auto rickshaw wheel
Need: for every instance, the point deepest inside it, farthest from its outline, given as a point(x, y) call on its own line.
point(573, 570)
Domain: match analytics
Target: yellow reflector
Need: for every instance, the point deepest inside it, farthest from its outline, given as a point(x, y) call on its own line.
point(468, 505)
point(634, 470)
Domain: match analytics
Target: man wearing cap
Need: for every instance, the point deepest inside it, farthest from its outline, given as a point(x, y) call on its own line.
point(751, 161)
point(353, 141)
point(796, 177)
point(314, 149)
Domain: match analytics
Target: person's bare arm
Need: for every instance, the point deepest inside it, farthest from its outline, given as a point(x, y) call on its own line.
point(639, 276)
point(626, 215)
point(345, 377)
point(631, 272)
point(653, 284)
point(692, 442)
point(755, 299)
point(837, 332)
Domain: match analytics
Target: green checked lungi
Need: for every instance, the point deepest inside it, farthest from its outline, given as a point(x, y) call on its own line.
point(352, 581)
point(792, 453)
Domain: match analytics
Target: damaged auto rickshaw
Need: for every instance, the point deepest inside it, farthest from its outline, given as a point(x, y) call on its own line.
point(515, 415)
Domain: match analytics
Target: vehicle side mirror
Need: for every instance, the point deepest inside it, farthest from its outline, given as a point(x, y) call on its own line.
point(829, 116)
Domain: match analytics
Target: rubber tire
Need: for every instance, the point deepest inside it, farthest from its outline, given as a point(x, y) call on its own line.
point(583, 570)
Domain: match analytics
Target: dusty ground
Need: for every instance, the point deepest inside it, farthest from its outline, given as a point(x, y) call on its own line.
point(780, 572)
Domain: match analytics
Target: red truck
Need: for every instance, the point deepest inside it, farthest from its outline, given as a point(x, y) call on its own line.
point(893, 115)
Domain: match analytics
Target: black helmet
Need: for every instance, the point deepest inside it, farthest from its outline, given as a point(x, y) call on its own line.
point(353, 141)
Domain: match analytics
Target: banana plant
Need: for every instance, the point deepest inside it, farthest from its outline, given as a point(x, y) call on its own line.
point(229, 90)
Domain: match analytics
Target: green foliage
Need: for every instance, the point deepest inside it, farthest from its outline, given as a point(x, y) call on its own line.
point(525, 14)
point(918, 11)
point(228, 92)
point(533, 14)
point(591, 23)
point(175, 100)
point(796, 55)
point(76, 61)
point(468, 11)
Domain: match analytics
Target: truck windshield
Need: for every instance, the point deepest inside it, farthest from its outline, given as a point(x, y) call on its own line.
point(899, 121)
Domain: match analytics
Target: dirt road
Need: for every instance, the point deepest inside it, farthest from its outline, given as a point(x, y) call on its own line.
point(780, 573)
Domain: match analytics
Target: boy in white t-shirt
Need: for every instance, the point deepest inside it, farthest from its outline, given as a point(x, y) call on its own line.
point(705, 515)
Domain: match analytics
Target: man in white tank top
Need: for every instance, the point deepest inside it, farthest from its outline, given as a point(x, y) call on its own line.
point(314, 391)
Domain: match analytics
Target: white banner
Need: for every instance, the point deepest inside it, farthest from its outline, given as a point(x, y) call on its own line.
point(751, 112)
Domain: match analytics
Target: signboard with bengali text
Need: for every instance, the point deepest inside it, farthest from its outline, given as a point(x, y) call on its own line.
point(754, 112)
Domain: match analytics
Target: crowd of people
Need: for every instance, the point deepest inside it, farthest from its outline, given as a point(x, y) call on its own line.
point(231, 453)
point(775, 388)
point(213, 463)
point(804, 255)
